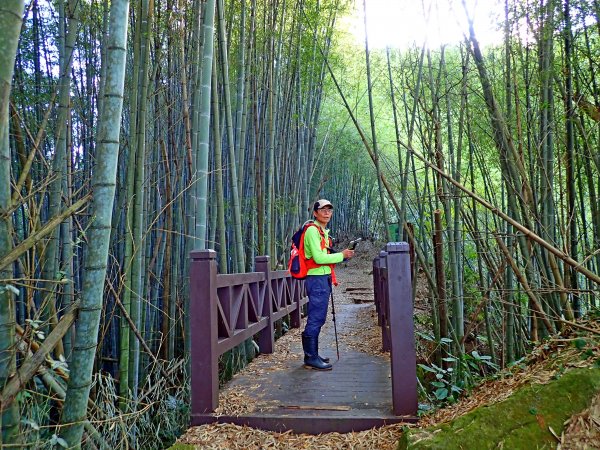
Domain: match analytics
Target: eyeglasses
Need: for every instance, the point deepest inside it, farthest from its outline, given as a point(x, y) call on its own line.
point(326, 210)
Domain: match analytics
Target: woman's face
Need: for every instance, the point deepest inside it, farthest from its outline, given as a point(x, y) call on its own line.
point(323, 215)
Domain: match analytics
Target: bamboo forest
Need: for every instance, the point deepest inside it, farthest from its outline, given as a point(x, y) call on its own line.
point(134, 133)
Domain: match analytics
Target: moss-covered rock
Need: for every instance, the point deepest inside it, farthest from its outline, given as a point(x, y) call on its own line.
point(522, 421)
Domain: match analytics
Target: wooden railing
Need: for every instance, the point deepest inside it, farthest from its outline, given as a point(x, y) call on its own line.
point(227, 309)
point(392, 283)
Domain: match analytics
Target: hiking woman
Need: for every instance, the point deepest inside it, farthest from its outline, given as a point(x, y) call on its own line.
point(319, 279)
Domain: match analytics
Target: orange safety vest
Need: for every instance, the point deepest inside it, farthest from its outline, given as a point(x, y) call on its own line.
point(310, 263)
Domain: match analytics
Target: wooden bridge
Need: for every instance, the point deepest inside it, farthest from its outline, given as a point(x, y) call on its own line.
point(361, 392)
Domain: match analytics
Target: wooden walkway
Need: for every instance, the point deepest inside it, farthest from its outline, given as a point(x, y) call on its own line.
point(356, 395)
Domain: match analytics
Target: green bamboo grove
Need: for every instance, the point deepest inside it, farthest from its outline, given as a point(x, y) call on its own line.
point(135, 131)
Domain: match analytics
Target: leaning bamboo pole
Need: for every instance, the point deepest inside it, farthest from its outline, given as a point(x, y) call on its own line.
point(40, 234)
point(48, 376)
point(31, 365)
point(526, 231)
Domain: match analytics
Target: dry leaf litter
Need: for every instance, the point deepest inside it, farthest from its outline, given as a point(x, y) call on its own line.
point(582, 431)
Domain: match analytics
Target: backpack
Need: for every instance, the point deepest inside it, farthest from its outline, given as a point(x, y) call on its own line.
point(298, 265)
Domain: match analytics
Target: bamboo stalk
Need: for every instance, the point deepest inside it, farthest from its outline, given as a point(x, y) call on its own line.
point(135, 330)
point(438, 252)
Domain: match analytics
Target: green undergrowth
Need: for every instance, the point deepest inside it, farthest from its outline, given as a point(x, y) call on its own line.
point(182, 447)
point(523, 421)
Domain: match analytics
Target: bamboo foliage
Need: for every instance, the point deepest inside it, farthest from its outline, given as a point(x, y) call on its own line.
point(167, 168)
point(541, 216)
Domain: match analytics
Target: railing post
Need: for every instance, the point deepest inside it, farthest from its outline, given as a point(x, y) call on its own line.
point(384, 310)
point(204, 331)
point(266, 336)
point(402, 339)
point(377, 288)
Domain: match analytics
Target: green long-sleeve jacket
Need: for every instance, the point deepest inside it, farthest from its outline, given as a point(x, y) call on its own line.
point(312, 249)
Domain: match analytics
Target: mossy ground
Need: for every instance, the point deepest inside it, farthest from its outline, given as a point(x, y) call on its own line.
point(522, 421)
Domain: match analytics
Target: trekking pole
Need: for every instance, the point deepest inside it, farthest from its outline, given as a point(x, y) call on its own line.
point(337, 347)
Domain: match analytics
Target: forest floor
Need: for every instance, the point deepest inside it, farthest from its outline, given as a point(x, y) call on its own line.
point(573, 349)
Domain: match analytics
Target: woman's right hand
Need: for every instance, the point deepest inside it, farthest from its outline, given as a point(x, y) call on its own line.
point(347, 253)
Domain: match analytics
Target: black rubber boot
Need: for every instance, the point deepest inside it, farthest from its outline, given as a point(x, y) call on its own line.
point(311, 356)
point(325, 360)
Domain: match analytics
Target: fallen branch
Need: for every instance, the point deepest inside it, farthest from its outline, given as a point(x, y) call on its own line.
point(31, 365)
point(42, 232)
